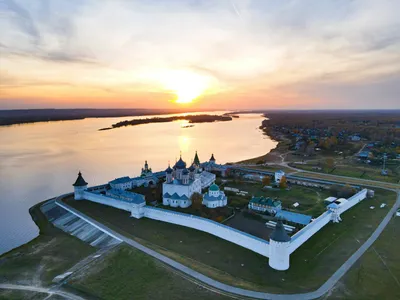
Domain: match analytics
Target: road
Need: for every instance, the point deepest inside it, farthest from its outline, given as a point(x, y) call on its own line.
point(329, 284)
point(37, 289)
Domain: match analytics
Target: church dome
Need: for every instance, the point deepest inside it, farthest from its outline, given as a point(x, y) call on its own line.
point(214, 188)
point(180, 164)
point(168, 170)
point(185, 172)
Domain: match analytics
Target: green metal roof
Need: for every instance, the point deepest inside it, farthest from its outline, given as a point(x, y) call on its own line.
point(265, 201)
point(214, 187)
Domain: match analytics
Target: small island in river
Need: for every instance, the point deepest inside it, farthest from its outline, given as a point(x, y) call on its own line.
point(190, 118)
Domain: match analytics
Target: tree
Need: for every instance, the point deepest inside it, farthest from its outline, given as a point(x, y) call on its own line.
point(197, 200)
point(330, 163)
point(283, 183)
point(266, 180)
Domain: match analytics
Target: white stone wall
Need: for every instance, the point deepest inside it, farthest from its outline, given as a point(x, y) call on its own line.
point(245, 240)
point(353, 200)
point(136, 210)
point(303, 235)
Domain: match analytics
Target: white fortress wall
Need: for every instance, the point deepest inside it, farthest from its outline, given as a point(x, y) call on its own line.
point(235, 236)
point(353, 200)
point(303, 235)
point(99, 198)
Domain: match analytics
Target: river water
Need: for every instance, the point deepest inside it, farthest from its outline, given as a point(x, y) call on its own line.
point(41, 160)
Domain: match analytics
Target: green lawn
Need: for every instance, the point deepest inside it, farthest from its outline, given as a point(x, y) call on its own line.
point(311, 264)
point(130, 274)
point(43, 258)
point(377, 274)
point(354, 170)
point(310, 199)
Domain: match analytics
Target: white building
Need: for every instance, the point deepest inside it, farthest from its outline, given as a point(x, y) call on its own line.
point(278, 176)
point(212, 166)
point(180, 184)
point(206, 179)
point(214, 197)
point(128, 201)
point(125, 183)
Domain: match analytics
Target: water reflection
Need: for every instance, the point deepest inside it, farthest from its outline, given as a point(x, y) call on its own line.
point(41, 160)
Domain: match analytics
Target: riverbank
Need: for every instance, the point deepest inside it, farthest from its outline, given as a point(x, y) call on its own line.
point(27, 272)
point(37, 262)
point(24, 116)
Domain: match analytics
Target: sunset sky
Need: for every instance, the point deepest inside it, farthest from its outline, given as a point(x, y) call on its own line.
point(224, 54)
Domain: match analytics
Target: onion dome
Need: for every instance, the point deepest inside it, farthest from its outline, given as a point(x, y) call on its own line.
point(214, 187)
point(169, 170)
point(279, 234)
point(80, 181)
point(185, 172)
point(180, 164)
point(212, 157)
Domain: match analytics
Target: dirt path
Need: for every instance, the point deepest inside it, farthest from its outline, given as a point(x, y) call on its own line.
point(37, 289)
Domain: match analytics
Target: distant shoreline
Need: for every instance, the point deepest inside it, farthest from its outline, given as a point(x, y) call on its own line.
point(191, 118)
point(26, 116)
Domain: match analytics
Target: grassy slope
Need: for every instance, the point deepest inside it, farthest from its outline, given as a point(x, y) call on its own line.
point(43, 258)
point(377, 274)
point(311, 264)
point(129, 273)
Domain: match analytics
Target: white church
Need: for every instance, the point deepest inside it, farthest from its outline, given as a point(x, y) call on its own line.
point(180, 184)
point(215, 197)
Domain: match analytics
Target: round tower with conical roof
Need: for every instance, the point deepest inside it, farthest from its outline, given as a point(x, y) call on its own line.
point(279, 243)
point(80, 186)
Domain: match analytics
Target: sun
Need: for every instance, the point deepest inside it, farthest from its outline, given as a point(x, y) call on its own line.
point(186, 85)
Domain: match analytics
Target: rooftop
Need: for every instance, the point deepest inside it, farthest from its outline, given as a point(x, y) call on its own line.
point(80, 181)
point(279, 234)
point(265, 201)
point(126, 196)
point(124, 179)
point(293, 217)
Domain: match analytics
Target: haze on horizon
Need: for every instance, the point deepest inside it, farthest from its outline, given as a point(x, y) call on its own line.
point(225, 54)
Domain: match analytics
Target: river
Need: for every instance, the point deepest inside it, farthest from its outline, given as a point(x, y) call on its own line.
point(41, 160)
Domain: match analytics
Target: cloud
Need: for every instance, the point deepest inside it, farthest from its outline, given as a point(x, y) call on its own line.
point(243, 46)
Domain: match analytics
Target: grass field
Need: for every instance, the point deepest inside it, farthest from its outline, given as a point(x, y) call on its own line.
point(311, 264)
point(43, 258)
point(310, 199)
point(348, 180)
point(377, 274)
point(353, 170)
point(128, 273)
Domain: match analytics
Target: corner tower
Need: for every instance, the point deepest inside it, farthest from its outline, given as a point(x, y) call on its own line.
point(80, 186)
point(279, 248)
